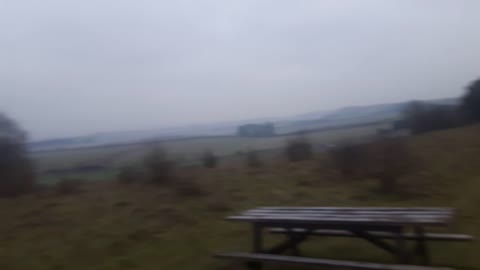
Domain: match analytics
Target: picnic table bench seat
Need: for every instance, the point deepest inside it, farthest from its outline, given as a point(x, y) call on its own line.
point(314, 262)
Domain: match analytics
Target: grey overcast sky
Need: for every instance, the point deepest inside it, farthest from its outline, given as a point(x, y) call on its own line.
point(75, 67)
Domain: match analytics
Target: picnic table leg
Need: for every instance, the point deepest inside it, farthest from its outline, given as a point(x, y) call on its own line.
point(421, 247)
point(257, 238)
point(292, 237)
point(257, 245)
point(402, 252)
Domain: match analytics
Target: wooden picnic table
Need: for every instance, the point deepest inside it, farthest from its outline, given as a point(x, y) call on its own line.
point(374, 224)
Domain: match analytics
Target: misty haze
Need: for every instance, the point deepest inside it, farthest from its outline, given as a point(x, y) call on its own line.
point(266, 133)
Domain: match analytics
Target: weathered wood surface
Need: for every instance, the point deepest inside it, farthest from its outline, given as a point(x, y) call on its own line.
point(258, 257)
point(348, 215)
point(383, 235)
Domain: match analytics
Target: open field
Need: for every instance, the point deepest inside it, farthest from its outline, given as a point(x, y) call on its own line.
point(185, 150)
point(113, 226)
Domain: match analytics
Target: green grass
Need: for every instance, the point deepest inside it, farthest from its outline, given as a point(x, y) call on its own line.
point(112, 226)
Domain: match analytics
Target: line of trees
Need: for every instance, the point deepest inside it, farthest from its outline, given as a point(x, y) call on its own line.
point(256, 130)
point(421, 117)
point(471, 101)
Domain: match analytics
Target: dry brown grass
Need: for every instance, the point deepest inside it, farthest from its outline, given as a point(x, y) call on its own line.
point(69, 186)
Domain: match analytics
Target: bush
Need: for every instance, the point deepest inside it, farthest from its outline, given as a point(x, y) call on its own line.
point(16, 170)
point(68, 186)
point(160, 168)
point(252, 159)
point(128, 175)
point(209, 159)
point(299, 149)
point(385, 159)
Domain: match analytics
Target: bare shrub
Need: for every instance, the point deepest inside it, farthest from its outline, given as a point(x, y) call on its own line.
point(209, 159)
point(385, 159)
point(68, 186)
point(390, 159)
point(299, 149)
point(252, 159)
point(160, 169)
point(128, 175)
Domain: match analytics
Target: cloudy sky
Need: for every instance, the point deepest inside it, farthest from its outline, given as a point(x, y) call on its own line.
point(75, 67)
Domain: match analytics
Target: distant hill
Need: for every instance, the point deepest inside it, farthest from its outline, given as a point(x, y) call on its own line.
point(354, 115)
point(344, 117)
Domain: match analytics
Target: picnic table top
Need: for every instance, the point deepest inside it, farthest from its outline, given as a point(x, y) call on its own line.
point(395, 216)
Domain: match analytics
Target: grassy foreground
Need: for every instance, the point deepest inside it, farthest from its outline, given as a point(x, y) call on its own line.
point(114, 226)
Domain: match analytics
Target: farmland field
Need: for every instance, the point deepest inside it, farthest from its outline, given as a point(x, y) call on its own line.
point(184, 150)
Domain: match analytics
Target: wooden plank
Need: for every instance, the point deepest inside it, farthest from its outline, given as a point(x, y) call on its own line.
point(342, 216)
point(398, 215)
point(447, 209)
point(314, 262)
point(345, 209)
point(350, 211)
point(363, 213)
point(384, 235)
point(334, 226)
point(288, 219)
point(353, 220)
point(347, 213)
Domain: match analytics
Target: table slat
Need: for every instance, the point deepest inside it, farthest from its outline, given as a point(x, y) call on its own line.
point(360, 215)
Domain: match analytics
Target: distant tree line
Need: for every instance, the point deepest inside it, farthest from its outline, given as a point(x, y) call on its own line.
point(471, 101)
point(421, 117)
point(256, 130)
